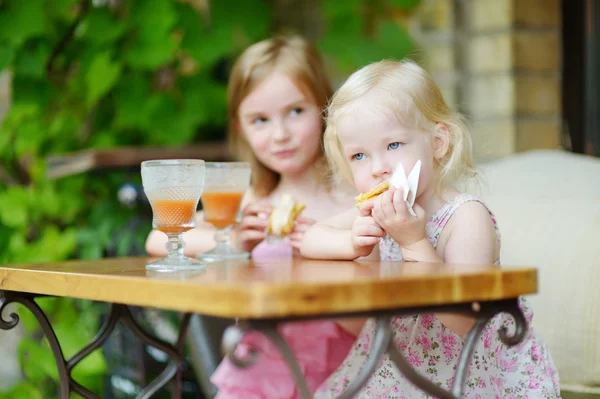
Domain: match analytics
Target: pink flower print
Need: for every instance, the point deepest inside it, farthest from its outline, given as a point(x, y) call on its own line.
point(534, 384)
point(424, 341)
point(497, 381)
point(448, 344)
point(365, 343)
point(508, 365)
point(481, 383)
point(448, 340)
point(414, 358)
point(427, 320)
point(487, 338)
point(530, 368)
point(400, 344)
point(536, 352)
point(340, 385)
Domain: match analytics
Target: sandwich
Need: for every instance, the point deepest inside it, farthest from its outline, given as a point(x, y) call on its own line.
point(408, 184)
point(283, 218)
point(372, 193)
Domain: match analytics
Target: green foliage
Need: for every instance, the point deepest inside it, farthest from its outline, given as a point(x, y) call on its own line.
point(134, 72)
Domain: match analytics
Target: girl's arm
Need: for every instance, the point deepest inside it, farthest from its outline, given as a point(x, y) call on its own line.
point(246, 235)
point(470, 239)
point(199, 239)
point(347, 236)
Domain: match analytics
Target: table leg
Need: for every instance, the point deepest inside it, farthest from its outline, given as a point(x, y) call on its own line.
point(117, 312)
point(383, 343)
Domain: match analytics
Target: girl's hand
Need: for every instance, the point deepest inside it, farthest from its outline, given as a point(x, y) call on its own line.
point(391, 212)
point(366, 232)
point(301, 225)
point(253, 226)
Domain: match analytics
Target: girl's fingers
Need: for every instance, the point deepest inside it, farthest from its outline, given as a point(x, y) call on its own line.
point(387, 204)
point(366, 241)
point(366, 208)
point(371, 230)
point(306, 221)
point(399, 204)
point(256, 208)
point(296, 236)
point(254, 222)
point(251, 235)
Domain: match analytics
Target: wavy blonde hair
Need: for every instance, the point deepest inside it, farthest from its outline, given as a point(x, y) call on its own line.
point(410, 93)
point(293, 56)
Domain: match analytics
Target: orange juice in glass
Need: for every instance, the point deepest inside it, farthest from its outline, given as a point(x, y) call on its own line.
point(226, 184)
point(221, 208)
point(173, 188)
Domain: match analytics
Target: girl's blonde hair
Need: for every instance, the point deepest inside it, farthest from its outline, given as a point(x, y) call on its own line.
point(293, 56)
point(410, 93)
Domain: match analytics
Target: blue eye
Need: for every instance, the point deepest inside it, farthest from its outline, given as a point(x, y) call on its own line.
point(394, 146)
point(296, 111)
point(259, 120)
point(358, 157)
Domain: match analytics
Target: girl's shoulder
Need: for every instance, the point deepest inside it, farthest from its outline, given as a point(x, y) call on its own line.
point(464, 208)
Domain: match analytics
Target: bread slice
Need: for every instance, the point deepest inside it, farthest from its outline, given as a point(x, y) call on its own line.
point(283, 218)
point(372, 193)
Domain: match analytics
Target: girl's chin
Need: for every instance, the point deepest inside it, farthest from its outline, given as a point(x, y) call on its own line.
point(290, 167)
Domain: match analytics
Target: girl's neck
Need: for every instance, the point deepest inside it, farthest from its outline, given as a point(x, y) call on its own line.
point(432, 200)
point(308, 182)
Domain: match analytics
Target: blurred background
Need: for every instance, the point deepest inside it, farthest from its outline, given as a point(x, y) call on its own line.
point(89, 88)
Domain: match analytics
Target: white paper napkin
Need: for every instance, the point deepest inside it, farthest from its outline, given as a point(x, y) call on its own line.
point(408, 183)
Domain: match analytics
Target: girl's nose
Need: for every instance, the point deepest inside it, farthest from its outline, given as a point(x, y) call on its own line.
point(380, 168)
point(280, 131)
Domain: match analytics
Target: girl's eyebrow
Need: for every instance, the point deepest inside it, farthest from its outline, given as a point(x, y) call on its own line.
point(252, 115)
point(353, 149)
point(295, 101)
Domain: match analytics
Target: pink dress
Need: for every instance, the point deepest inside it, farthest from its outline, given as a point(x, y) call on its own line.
point(523, 371)
point(319, 346)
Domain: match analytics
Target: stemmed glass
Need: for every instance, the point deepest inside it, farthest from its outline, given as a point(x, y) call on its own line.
point(226, 184)
point(173, 188)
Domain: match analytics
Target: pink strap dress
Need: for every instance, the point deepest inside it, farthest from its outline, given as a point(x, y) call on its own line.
point(319, 346)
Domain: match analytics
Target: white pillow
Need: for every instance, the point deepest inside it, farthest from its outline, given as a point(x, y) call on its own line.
point(548, 209)
point(561, 237)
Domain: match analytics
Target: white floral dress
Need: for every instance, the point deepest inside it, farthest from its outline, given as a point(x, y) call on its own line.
point(497, 371)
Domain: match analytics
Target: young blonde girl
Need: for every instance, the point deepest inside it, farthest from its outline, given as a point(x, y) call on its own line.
point(389, 113)
point(277, 92)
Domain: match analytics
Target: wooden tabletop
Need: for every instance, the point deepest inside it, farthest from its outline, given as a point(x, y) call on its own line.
point(280, 287)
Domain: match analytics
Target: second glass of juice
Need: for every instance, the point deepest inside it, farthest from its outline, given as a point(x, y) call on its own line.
point(225, 186)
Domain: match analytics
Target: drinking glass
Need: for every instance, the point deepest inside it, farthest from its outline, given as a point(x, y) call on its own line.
point(173, 188)
point(226, 184)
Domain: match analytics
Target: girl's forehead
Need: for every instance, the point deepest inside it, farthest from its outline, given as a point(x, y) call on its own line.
point(366, 119)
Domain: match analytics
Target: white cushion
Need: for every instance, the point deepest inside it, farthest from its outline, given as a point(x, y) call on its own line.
point(548, 208)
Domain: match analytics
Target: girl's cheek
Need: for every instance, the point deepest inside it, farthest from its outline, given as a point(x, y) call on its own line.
point(258, 141)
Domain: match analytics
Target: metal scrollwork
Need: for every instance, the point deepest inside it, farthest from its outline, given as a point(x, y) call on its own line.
point(117, 312)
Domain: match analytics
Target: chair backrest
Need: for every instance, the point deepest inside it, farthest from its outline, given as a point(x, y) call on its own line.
point(547, 204)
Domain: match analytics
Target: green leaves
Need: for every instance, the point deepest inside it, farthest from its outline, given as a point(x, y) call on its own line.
point(153, 44)
point(141, 74)
point(102, 27)
point(22, 20)
point(369, 26)
point(14, 204)
point(6, 56)
point(101, 76)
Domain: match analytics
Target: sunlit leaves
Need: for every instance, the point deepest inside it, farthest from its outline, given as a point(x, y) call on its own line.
point(101, 76)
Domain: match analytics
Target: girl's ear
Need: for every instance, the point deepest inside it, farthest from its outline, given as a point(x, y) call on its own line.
point(441, 141)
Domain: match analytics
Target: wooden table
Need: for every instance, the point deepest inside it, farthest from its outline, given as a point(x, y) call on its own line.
point(266, 293)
